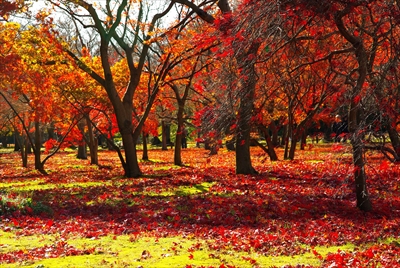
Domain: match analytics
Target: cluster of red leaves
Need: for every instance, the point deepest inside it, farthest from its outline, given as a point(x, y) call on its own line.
point(376, 256)
point(310, 201)
point(58, 249)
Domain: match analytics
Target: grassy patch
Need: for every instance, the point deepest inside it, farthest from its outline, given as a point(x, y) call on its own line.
point(202, 216)
point(21, 184)
point(130, 251)
point(194, 189)
point(168, 167)
point(42, 185)
point(10, 242)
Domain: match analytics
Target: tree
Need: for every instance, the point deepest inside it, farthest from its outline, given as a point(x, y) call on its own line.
point(29, 78)
point(243, 34)
point(188, 62)
point(8, 8)
point(362, 32)
point(116, 27)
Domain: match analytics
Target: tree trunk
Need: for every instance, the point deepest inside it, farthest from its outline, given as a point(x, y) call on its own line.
point(178, 148)
point(285, 132)
point(354, 123)
point(37, 148)
point(179, 135)
point(17, 142)
point(245, 112)
point(93, 143)
point(363, 200)
point(288, 140)
point(21, 142)
point(303, 140)
point(131, 165)
point(270, 146)
point(292, 149)
point(24, 152)
point(274, 130)
point(164, 136)
point(4, 141)
point(145, 155)
point(394, 139)
point(28, 146)
point(82, 150)
point(243, 158)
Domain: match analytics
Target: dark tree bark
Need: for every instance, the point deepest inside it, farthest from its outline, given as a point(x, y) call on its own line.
point(21, 142)
point(179, 134)
point(165, 135)
point(145, 155)
point(93, 143)
point(24, 152)
point(249, 79)
point(395, 140)
point(17, 143)
point(274, 131)
point(4, 142)
point(82, 149)
point(245, 113)
point(288, 136)
point(270, 146)
point(354, 114)
point(50, 132)
point(123, 107)
point(181, 100)
point(285, 135)
point(303, 141)
point(39, 165)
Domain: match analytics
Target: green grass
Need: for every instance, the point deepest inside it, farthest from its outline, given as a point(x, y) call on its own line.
point(38, 185)
point(10, 242)
point(6, 150)
point(129, 251)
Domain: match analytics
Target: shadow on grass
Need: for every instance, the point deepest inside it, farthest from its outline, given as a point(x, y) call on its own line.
point(240, 210)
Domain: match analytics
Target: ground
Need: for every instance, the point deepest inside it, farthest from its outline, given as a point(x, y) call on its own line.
point(297, 213)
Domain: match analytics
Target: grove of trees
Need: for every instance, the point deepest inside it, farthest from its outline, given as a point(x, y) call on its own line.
point(77, 73)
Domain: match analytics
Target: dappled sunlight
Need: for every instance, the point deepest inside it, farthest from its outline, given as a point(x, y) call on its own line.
point(289, 208)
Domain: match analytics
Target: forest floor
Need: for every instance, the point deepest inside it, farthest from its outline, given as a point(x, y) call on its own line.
point(299, 213)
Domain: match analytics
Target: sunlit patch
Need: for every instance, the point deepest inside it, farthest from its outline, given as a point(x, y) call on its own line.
point(292, 212)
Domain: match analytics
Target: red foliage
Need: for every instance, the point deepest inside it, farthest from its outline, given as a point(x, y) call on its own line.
point(288, 205)
point(7, 7)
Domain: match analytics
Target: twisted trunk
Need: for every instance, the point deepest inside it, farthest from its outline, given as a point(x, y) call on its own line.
point(354, 114)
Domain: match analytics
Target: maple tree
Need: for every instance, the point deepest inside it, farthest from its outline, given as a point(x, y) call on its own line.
point(116, 30)
point(353, 61)
point(86, 102)
point(30, 81)
point(295, 88)
point(306, 62)
point(190, 61)
point(244, 42)
point(363, 26)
